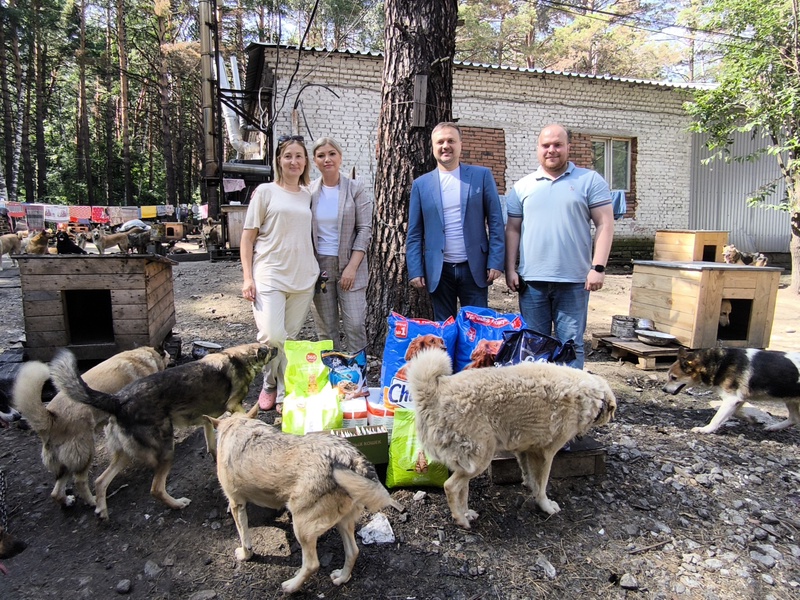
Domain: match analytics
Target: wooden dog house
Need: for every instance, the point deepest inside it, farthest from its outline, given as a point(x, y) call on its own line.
point(95, 305)
point(689, 245)
point(685, 298)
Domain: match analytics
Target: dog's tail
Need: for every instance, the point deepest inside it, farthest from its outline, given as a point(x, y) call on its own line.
point(27, 395)
point(365, 491)
point(64, 370)
point(423, 373)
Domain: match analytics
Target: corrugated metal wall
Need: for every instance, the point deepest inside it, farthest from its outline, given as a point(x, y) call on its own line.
point(719, 193)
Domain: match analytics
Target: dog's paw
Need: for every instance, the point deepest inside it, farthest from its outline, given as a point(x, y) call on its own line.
point(337, 578)
point(290, 586)
point(705, 429)
point(471, 515)
point(242, 553)
point(102, 513)
point(778, 426)
point(68, 501)
point(549, 506)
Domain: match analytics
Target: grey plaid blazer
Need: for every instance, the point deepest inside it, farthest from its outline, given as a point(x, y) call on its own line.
point(355, 223)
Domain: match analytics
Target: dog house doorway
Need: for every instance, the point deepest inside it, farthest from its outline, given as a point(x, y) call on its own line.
point(88, 316)
point(739, 325)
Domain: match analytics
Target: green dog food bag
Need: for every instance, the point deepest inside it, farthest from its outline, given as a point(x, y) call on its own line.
point(408, 465)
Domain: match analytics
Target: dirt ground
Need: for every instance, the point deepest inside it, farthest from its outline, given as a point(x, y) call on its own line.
point(676, 515)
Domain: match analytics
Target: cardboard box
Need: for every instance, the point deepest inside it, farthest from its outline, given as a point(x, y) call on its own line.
point(373, 442)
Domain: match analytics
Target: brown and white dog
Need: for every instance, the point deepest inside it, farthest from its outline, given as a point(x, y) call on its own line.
point(530, 409)
point(732, 256)
point(739, 375)
point(67, 428)
point(484, 354)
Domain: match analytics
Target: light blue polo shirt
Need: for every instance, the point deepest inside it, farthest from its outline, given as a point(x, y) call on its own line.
point(556, 238)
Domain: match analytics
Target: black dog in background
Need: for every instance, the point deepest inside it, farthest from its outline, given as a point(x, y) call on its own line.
point(64, 245)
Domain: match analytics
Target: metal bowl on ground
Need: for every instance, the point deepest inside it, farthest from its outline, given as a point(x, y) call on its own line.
point(201, 348)
point(655, 338)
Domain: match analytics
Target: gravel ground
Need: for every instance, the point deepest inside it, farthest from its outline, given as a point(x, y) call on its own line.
point(677, 514)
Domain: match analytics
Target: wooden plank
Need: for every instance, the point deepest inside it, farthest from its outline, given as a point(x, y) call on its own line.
point(660, 299)
point(39, 339)
point(45, 323)
point(123, 297)
point(40, 295)
point(84, 265)
point(663, 317)
point(162, 332)
point(665, 271)
point(763, 311)
point(86, 282)
point(44, 308)
point(164, 311)
point(707, 323)
point(130, 327)
point(738, 293)
point(128, 311)
point(665, 283)
point(576, 462)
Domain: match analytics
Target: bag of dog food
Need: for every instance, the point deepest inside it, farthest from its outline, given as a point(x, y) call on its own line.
point(527, 345)
point(404, 339)
point(311, 403)
point(347, 372)
point(480, 335)
point(408, 465)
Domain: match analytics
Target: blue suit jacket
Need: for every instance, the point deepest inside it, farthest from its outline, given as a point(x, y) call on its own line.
point(480, 211)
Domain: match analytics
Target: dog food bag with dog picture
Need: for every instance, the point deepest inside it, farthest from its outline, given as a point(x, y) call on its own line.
point(404, 339)
point(311, 403)
point(408, 465)
point(348, 372)
point(480, 334)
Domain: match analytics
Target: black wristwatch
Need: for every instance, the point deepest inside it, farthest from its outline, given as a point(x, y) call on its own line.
point(599, 268)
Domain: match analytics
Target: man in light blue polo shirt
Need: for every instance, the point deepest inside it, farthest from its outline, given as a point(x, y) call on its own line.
point(548, 228)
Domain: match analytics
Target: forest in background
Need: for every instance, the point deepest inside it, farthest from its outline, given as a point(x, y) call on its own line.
point(101, 99)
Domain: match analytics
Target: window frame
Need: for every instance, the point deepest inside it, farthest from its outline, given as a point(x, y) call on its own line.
point(608, 142)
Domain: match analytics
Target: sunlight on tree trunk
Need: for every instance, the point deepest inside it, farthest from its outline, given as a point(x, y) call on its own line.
point(420, 40)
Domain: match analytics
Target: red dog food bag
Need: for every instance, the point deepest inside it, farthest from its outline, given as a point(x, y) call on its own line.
point(480, 335)
point(404, 339)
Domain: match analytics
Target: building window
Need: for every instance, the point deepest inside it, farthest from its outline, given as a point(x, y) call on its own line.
point(611, 157)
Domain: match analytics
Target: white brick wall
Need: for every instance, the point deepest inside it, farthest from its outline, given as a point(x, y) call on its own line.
point(520, 103)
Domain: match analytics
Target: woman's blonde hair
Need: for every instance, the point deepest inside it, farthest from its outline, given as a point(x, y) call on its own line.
point(286, 140)
point(326, 141)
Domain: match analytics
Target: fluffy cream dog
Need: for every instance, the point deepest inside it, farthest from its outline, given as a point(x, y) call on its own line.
point(322, 479)
point(10, 243)
point(67, 428)
point(530, 409)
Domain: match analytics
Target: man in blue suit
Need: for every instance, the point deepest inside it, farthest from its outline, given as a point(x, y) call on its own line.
point(456, 242)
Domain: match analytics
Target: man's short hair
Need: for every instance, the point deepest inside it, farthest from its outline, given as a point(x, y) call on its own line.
point(446, 124)
point(569, 132)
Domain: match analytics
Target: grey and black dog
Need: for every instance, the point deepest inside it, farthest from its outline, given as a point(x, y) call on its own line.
point(147, 411)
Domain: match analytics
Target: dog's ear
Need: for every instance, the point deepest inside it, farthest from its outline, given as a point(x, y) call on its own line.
point(253, 412)
point(214, 422)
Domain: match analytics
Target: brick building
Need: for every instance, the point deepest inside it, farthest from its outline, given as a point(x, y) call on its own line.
point(634, 132)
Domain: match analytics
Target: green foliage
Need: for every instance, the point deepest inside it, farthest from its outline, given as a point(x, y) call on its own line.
point(758, 87)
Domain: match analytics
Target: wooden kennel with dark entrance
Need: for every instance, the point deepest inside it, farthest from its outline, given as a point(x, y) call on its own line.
point(685, 299)
point(95, 305)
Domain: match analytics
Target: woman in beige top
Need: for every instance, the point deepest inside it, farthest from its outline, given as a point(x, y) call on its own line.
point(342, 228)
point(278, 258)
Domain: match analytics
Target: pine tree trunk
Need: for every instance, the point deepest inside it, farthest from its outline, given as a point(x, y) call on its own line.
point(420, 40)
point(41, 102)
point(84, 157)
point(166, 127)
point(124, 104)
point(794, 249)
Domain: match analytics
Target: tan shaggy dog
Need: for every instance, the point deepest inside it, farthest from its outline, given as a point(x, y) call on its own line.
point(530, 409)
point(37, 243)
point(10, 243)
point(67, 428)
point(322, 479)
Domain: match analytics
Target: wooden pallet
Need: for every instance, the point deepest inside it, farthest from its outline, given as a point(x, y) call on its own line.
point(648, 357)
point(584, 457)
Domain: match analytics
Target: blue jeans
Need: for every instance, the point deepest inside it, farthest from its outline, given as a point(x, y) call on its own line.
point(546, 304)
point(457, 284)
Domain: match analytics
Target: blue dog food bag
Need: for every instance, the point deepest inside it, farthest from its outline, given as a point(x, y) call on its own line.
point(475, 325)
point(404, 338)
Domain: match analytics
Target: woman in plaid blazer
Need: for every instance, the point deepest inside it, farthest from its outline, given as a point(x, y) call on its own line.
point(341, 229)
